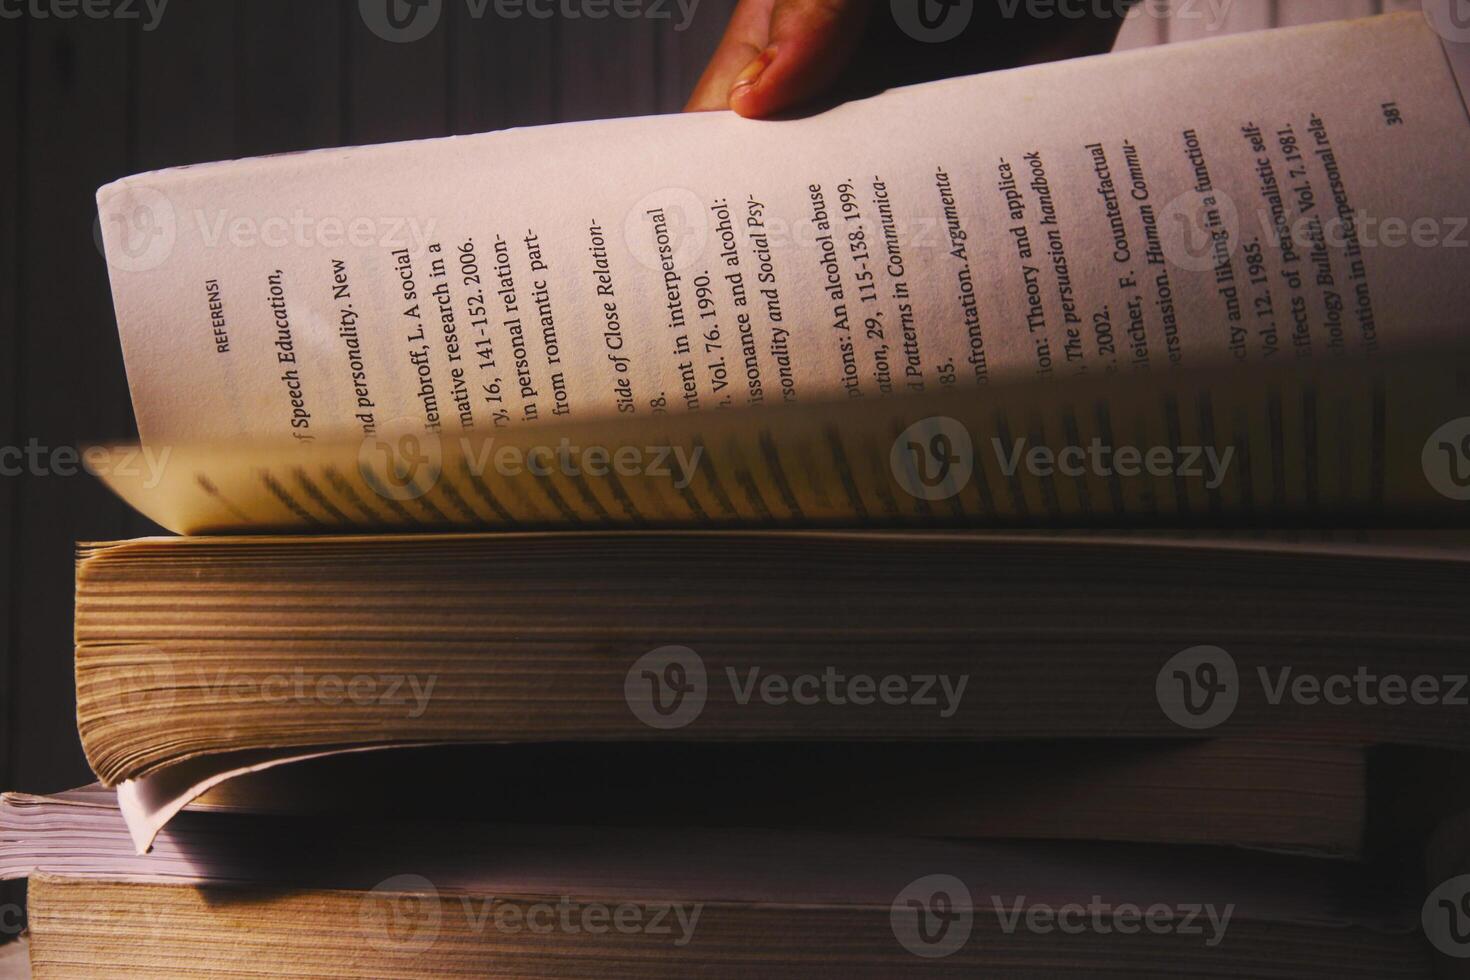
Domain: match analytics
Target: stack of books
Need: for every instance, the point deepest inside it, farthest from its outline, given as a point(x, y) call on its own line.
point(517, 626)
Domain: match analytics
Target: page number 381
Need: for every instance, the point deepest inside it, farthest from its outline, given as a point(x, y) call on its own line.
point(1392, 114)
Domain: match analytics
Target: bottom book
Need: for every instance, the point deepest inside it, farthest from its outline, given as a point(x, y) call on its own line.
point(251, 894)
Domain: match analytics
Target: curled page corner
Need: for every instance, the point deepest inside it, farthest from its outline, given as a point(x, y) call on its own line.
point(150, 802)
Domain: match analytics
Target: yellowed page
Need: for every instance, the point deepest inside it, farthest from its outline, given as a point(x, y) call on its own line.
point(1249, 200)
point(1335, 439)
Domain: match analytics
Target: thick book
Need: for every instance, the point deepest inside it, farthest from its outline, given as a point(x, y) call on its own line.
point(201, 658)
point(268, 895)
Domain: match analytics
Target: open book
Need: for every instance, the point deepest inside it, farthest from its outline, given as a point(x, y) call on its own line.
point(380, 336)
point(1220, 281)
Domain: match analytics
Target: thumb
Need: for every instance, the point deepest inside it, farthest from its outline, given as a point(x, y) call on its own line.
point(810, 43)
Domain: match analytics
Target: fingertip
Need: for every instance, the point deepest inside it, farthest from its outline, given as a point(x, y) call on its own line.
point(742, 96)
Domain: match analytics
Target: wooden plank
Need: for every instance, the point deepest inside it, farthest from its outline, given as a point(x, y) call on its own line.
point(73, 388)
point(397, 84)
point(186, 87)
point(606, 68)
point(685, 50)
point(289, 81)
point(11, 59)
point(503, 71)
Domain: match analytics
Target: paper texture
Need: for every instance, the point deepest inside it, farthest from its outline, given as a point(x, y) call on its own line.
point(1350, 440)
point(148, 803)
point(1250, 200)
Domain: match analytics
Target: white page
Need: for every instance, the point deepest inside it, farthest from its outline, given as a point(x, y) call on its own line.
point(1362, 118)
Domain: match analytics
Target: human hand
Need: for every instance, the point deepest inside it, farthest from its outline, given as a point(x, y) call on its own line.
point(778, 55)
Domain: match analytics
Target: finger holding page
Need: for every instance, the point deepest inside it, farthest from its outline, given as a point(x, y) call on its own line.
point(776, 55)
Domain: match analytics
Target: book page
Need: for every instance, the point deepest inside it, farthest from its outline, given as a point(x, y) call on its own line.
point(1289, 196)
point(1314, 440)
